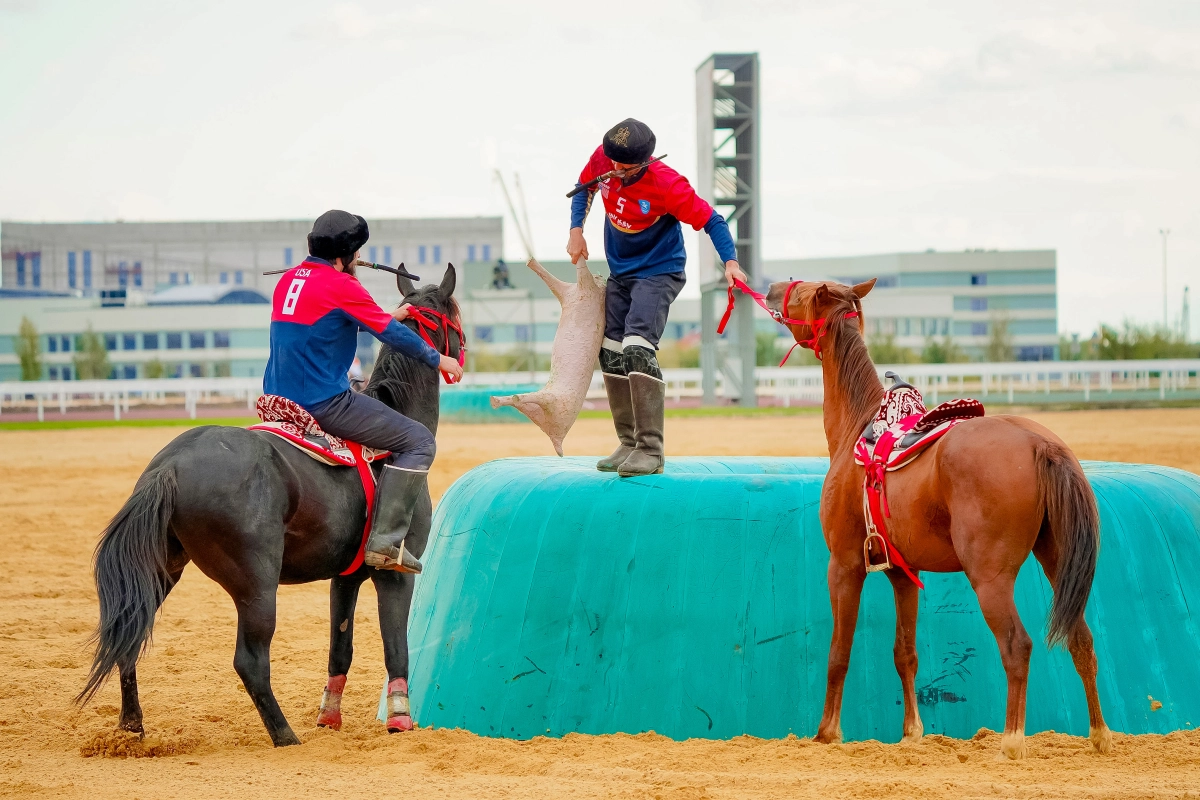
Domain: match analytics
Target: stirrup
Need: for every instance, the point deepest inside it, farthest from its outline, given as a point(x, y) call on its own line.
point(887, 561)
point(402, 561)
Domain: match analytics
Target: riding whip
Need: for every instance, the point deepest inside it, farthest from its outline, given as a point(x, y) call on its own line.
point(400, 270)
point(583, 186)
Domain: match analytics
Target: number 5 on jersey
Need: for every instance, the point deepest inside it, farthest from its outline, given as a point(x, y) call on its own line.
point(292, 296)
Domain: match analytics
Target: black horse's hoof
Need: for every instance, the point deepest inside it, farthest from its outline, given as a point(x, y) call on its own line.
point(285, 739)
point(132, 726)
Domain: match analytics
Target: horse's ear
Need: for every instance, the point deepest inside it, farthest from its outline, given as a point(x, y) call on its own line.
point(821, 296)
point(446, 288)
point(404, 285)
point(864, 288)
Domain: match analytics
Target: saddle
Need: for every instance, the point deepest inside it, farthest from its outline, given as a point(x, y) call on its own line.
point(900, 432)
point(289, 421)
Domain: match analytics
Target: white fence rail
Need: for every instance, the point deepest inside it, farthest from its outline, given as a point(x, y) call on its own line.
point(1022, 381)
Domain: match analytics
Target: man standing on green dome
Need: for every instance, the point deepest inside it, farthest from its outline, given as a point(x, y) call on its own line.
point(643, 242)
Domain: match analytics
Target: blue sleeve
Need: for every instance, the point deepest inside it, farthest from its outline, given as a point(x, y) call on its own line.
point(580, 204)
point(718, 230)
point(404, 341)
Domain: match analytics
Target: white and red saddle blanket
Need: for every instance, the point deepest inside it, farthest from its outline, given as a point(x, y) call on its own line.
point(290, 421)
point(901, 430)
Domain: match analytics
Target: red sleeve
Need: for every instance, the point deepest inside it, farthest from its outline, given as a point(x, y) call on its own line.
point(596, 166)
point(681, 199)
point(356, 301)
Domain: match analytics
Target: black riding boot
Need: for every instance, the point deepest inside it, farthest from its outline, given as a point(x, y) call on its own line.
point(621, 404)
point(649, 396)
point(395, 498)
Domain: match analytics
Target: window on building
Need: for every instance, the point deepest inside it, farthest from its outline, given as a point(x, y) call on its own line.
point(52, 344)
point(149, 341)
point(188, 278)
point(110, 341)
point(224, 277)
point(521, 333)
point(979, 303)
point(979, 329)
point(21, 268)
point(71, 269)
point(174, 341)
point(129, 341)
point(483, 333)
point(287, 257)
point(220, 338)
point(437, 254)
point(35, 269)
point(487, 252)
point(87, 269)
point(173, 279)
point(129, 372)
point(66, 373)
point(137, 274)
point(53, 373)
point(237, 278)
point(196, 340)
point(122, 273)
point(197, 370)
point(66, 344)
point(470, 252)
point(420, 255)
point(173, 371)
point(979, 279)
point(387, 254)
point(372, 254)
point(945, 327)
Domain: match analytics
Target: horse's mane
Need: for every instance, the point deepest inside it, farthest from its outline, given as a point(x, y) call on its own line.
point(404, 383)
point(856, 375)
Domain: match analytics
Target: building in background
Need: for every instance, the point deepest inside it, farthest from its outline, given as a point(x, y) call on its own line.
point(962, 295)
point(146, 257)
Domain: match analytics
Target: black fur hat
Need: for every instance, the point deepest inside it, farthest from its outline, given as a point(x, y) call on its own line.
point(629, 142)
point(336, 234)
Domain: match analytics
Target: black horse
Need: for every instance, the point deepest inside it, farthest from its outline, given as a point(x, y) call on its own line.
point(252, 512)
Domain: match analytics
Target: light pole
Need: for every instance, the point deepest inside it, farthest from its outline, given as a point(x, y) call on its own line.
point(1164, 232)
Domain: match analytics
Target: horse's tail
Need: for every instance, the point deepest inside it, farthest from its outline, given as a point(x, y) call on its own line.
point(1074, 522)
point(131, 576)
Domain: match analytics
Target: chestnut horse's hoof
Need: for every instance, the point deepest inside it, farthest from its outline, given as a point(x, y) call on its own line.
point(1101, 739)
point(829, 737)
point(330, 718)
point(1012, 746)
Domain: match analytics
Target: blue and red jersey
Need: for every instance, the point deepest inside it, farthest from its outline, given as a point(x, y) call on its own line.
point(316, 313)
point(642, 232)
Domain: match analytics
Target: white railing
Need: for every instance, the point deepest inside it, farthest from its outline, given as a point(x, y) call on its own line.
point(119, 393)
point(1034, 381)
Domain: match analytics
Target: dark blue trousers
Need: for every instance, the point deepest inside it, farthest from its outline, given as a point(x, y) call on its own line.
point(638, 306)
point(369, 422)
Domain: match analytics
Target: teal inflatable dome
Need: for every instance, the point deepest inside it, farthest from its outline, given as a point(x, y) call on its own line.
point(694, 604)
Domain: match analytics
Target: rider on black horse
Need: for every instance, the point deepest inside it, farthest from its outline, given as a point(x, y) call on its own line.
point(317, 310)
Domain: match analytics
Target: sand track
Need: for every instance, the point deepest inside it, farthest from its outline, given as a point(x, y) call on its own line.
point(204, 738)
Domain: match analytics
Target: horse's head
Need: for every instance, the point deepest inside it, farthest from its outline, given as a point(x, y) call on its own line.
point(817, 307)
point(439, 298)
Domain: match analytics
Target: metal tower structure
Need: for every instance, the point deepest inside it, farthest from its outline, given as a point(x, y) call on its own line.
point(727, 148)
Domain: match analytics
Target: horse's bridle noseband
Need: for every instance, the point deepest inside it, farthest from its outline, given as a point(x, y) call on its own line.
point(430, 319)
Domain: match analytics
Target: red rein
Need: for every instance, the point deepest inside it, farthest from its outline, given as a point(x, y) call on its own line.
point(817, 325)
point(430, 319)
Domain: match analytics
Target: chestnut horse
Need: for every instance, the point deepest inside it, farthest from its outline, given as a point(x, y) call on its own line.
point(979, 501)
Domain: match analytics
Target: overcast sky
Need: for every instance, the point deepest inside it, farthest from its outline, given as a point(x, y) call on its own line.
point(885, 127)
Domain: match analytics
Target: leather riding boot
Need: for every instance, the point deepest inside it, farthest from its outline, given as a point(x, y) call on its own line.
point(621, 403)
point(649, 396)
point(395, 499)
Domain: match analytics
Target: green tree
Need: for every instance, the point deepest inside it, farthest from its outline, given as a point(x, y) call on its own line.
point(943, 352)
point(91, 357)
point(765, 352)
point(884, 350)
point(154, 369)
point(29, 350)
point(1000, 341)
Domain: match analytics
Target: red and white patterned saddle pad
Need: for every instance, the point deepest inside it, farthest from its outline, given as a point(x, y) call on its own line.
point(288, 420)
point(912, 428)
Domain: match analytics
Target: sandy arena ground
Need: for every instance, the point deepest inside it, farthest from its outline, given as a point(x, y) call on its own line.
point(205, 738)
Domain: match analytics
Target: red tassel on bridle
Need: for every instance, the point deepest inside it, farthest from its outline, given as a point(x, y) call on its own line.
point(818, 326)
point(422, 316)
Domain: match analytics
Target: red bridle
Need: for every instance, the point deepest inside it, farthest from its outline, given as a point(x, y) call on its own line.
point(430, 319)
point(818, 326)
